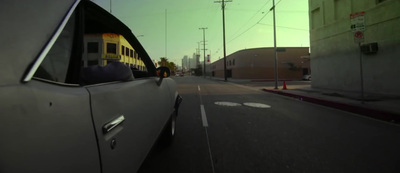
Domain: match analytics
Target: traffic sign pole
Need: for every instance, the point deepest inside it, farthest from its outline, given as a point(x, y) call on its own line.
point(357, 26)
point(361, 74)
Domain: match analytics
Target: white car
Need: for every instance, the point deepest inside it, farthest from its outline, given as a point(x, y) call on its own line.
point(67, 109)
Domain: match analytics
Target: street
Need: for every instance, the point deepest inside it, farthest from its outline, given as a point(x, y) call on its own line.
point(227, 127)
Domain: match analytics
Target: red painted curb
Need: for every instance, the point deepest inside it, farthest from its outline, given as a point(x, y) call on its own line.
point(270, 80)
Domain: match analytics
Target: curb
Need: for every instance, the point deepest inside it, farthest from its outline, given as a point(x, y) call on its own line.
point(271, 80)
point(373, 113)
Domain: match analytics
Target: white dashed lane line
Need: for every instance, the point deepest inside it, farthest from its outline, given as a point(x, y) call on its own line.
point(205, 125)
point(203, 116)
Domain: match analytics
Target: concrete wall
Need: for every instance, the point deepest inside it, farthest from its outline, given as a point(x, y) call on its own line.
point(335, 57)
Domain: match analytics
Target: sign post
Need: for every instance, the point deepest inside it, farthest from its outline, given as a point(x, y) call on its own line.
point(357, 21)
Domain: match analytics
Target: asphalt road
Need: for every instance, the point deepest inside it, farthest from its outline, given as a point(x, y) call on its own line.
point(226, 127)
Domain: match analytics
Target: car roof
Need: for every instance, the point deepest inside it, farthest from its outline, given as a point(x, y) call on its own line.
point(27, 27)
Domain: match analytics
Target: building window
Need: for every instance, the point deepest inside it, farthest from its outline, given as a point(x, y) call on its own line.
point(112, 48)
point(123, 50)
point(127, 51)
point(92, 47)
point(131, 53)
point(316, 18)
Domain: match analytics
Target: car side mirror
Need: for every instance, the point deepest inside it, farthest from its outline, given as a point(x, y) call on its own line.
point(162, 72)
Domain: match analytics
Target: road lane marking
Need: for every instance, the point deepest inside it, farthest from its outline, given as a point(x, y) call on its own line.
point(227, 104)
point(257, 105)
point(203, 116)
point(205, 125)
point(209, 150)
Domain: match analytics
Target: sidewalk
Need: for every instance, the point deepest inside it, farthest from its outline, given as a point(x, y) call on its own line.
point(376, 106)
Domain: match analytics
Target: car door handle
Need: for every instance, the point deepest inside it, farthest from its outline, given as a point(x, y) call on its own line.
point(112, 124)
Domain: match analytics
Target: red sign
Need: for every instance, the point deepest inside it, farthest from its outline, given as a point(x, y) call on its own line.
point(359, 37)
point(354, 15)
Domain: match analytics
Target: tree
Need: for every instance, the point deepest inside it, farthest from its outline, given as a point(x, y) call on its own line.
point(165, 63)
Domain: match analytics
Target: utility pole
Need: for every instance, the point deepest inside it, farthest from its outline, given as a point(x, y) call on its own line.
point(275, 56)
point(166, 33)
point(223, 32)
point(198, 54)
point(198, 49)
point(204, 51)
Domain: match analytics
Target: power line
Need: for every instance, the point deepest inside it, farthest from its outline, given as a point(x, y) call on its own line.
point(243, 32)
point(258, 22)
point(252, 17)
point(300, 29)
point(249, 27)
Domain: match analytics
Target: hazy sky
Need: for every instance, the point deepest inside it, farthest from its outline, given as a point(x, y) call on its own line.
point(248, 25)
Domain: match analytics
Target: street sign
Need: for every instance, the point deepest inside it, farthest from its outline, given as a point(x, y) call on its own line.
point(358, 37)
point(357, 21)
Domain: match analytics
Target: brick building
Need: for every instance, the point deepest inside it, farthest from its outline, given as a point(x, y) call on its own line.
point(258, 63)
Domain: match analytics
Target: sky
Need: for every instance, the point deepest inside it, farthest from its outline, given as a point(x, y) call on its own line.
point(170, 28)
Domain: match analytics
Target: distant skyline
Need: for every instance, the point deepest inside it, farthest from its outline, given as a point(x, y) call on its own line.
point(248, 25)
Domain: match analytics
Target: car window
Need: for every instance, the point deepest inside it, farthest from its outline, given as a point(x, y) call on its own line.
point(105, 48)
point(110, 47)
point(89, 49)
point(55, 65)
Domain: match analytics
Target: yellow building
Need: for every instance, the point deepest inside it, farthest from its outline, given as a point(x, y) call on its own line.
point(101, 49)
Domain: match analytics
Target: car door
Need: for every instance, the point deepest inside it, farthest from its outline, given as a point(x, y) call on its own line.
point(128, 118)
point(46, 127)
point(45, 121)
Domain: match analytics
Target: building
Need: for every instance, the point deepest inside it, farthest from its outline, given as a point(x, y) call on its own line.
point(337, 27)
point(185, 63)
point(258, 63)
point(101, 49)
point(195, 61)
